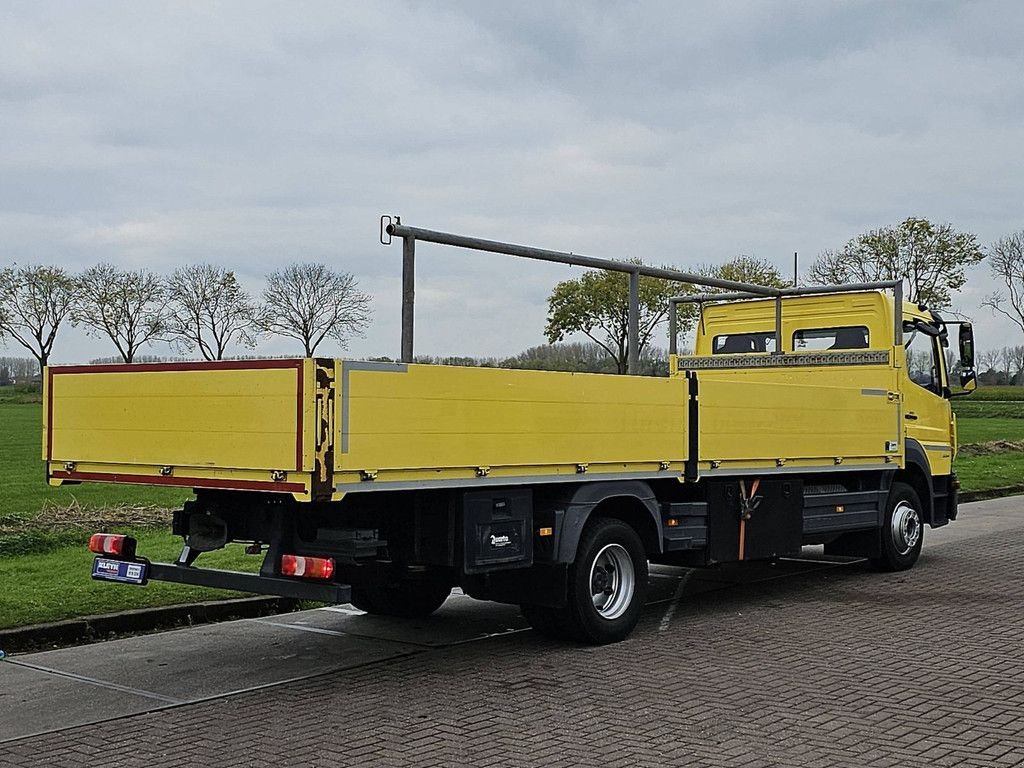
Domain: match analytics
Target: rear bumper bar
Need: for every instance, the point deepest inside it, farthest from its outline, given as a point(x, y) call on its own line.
point(251, 582)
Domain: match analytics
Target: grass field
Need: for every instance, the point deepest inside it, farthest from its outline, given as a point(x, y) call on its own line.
point(997, 470)
point(997, 393)
point(991, 413)
point(44, 569)
point(983, 430)
point(56, 585)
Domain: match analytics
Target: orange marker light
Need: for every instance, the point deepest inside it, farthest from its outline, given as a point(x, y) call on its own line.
point(545, 531)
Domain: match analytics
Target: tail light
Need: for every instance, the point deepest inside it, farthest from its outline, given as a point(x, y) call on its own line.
point(307, 567)
point(116, 544)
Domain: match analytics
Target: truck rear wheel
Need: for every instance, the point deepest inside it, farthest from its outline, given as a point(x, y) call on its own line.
point(404, 599)
point(902, 530)
point(607, 587)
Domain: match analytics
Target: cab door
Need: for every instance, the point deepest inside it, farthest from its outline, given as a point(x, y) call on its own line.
point(926, 412)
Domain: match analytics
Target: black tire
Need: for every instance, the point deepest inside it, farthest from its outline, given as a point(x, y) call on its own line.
point(611, 565)
point(902, 530)
point(404, 599)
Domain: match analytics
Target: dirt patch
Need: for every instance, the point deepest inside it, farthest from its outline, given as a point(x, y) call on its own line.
point(993, 446)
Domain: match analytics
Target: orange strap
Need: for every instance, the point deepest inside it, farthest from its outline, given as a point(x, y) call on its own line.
point(743, 517)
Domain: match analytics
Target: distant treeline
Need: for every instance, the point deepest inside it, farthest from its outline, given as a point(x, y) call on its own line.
point(995, 367)
point(574, 357)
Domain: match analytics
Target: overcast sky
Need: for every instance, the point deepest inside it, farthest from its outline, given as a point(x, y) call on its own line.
point(254, 135)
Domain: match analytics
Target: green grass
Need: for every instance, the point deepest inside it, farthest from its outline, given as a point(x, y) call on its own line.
point(996, 470)
point(997, 393)
point(20, 395)
point(57, 585)
point(986, 409)
point(23, 488)
point(983, 430)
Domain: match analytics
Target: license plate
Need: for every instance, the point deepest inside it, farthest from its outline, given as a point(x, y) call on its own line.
point(122, 571)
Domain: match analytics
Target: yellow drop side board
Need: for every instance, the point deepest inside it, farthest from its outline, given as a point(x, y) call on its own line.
point(452, 422)
point(810, 414)
point(187, 419)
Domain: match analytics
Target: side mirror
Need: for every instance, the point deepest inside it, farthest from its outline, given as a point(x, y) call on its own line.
point(968, 380)
point(966, 346)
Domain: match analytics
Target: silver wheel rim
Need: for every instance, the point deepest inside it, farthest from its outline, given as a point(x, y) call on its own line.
point(906, 528)
point(612, 581)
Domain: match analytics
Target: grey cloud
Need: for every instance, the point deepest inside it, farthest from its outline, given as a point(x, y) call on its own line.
point(255, 134)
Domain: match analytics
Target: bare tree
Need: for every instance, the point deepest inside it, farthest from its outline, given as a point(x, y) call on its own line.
point(209, 310)
point(20, 369)
point(310, 303)
point(128, 307)
point(931, 258)
point(952, 363)
point(988, 360)
point(1006, 361)
point(34, 301)
point(1006, 260)
point(1018, 363)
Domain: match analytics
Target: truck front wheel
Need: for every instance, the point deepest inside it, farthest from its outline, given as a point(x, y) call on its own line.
point(404, 599)
point(607, 587)
point(902, 530)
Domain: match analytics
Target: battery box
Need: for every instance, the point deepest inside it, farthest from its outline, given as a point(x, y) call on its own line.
point(498, 530)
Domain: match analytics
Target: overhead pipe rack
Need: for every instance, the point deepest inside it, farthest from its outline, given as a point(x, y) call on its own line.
point(392, 227)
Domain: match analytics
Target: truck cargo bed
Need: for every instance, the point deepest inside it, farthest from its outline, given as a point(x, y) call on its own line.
point(319, 429)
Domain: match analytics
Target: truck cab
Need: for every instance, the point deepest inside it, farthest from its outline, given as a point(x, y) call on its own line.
point(859, 328)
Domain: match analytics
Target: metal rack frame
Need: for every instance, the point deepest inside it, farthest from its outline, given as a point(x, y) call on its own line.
point(392, 227)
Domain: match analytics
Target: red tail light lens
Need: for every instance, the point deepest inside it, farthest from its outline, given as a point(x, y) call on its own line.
point(116, 544)
point(307, 567)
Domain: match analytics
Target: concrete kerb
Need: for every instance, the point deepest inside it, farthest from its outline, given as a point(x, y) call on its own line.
point(92, 628)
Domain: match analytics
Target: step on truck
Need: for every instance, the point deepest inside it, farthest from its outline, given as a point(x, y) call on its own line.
point(805, 416)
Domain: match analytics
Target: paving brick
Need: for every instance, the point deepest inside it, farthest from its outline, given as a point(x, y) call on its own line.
point(842, 668)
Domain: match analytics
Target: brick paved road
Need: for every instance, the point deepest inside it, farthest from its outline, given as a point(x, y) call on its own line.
point(836, 668)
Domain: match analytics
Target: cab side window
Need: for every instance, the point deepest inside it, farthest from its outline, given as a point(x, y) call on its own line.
point(740, 343)
point(823, 339)
point(922, 361)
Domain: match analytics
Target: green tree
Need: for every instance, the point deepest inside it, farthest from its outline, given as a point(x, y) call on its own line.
point(577, 357)
point(746, 269)
point(931, 259)
point(597, 305)
point(34, 301)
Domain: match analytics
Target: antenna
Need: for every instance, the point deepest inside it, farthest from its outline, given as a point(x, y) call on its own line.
point(796, 261)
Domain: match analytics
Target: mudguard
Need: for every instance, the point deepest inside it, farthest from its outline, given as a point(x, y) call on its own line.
point(579, 505)
point(917, 456)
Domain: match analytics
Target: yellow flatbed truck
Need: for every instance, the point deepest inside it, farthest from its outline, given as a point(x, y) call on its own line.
point(800, 419)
